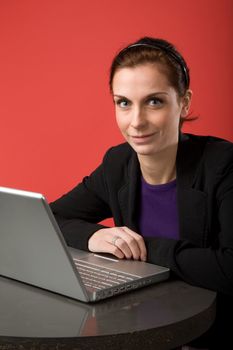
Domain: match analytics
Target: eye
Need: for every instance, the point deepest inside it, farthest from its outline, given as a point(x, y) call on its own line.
point(154, 101)
point(122, 103)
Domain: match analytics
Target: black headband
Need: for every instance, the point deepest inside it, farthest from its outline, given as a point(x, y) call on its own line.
point(170, 53)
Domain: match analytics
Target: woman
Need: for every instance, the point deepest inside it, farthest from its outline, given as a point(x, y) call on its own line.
point(170, 194)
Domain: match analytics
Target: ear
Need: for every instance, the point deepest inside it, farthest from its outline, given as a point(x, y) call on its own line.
point(186, 102)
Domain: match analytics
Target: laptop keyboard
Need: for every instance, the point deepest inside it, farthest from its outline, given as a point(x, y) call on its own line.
point(99, 277)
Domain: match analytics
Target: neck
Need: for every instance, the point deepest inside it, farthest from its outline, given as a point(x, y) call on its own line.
point(159, 168)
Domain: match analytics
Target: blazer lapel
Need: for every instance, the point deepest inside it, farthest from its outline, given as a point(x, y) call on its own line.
point(128, 195)
point(192, 203)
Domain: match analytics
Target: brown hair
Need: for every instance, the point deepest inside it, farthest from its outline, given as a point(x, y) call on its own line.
point(159, 51)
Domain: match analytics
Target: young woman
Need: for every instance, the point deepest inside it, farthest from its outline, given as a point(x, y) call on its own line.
point(170, 194)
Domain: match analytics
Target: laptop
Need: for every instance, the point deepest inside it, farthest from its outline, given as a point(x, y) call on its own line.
point(33, 250)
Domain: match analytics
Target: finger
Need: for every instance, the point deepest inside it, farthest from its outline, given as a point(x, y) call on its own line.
point(118, 240)
point(99, 243)
point(140, 242)
point(114, 250)
point(129, 243)
point(107, 247)
point(121, 244)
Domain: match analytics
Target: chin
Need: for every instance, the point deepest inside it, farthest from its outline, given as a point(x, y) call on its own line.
point(144, 150)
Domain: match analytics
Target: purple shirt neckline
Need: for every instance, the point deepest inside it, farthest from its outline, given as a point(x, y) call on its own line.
point(160, 187)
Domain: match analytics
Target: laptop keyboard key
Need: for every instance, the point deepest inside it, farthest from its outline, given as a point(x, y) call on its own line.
point(100, 278)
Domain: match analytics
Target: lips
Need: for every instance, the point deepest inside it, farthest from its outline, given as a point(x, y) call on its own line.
point(142, 138)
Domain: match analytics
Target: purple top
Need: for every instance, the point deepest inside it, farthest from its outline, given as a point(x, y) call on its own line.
point(158, 214)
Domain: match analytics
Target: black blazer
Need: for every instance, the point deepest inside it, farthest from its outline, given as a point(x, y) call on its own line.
point(203, 255)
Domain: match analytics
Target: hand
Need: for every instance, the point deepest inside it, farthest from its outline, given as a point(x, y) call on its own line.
point(119, 241)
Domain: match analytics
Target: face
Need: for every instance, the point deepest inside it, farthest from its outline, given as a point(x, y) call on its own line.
point(147, 108)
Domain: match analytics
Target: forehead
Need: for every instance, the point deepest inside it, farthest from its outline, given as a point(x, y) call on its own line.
point(141, 79)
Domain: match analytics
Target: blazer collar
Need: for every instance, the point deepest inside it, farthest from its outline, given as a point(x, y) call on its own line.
point(188, 158)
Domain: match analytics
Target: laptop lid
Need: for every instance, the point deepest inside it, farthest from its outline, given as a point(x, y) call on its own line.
point(32, 248)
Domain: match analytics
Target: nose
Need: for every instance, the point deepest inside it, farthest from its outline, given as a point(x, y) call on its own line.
point(138, 118)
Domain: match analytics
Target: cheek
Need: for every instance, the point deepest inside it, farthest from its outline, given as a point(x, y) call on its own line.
point(172, 125)
point(161, 119)
point(172, 117)
point(166, 121)
point(121, 122)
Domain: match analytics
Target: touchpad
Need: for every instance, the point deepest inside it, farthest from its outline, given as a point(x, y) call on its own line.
point(100, 259)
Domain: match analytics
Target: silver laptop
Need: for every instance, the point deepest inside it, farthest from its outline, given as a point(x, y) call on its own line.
point(33, 250)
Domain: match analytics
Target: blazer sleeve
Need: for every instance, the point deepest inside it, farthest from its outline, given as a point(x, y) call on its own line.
point(79, 211)
point(210, 267)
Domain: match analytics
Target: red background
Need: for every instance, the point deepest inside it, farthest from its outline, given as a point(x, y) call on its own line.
point(57, 117)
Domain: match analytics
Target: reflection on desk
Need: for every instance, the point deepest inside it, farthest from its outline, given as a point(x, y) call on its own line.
point(167, 314)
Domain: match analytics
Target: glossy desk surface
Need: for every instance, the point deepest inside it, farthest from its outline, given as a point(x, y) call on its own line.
point(161, 316)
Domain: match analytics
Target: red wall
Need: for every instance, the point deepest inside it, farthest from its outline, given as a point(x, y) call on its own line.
point(57, 117)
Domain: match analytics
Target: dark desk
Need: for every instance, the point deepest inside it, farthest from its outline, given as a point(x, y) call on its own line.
point(159, 317)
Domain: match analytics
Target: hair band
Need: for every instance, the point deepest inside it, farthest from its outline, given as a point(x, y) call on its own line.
point(169, 52)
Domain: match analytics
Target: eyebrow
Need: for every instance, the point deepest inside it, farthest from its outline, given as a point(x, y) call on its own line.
point(148, 96)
